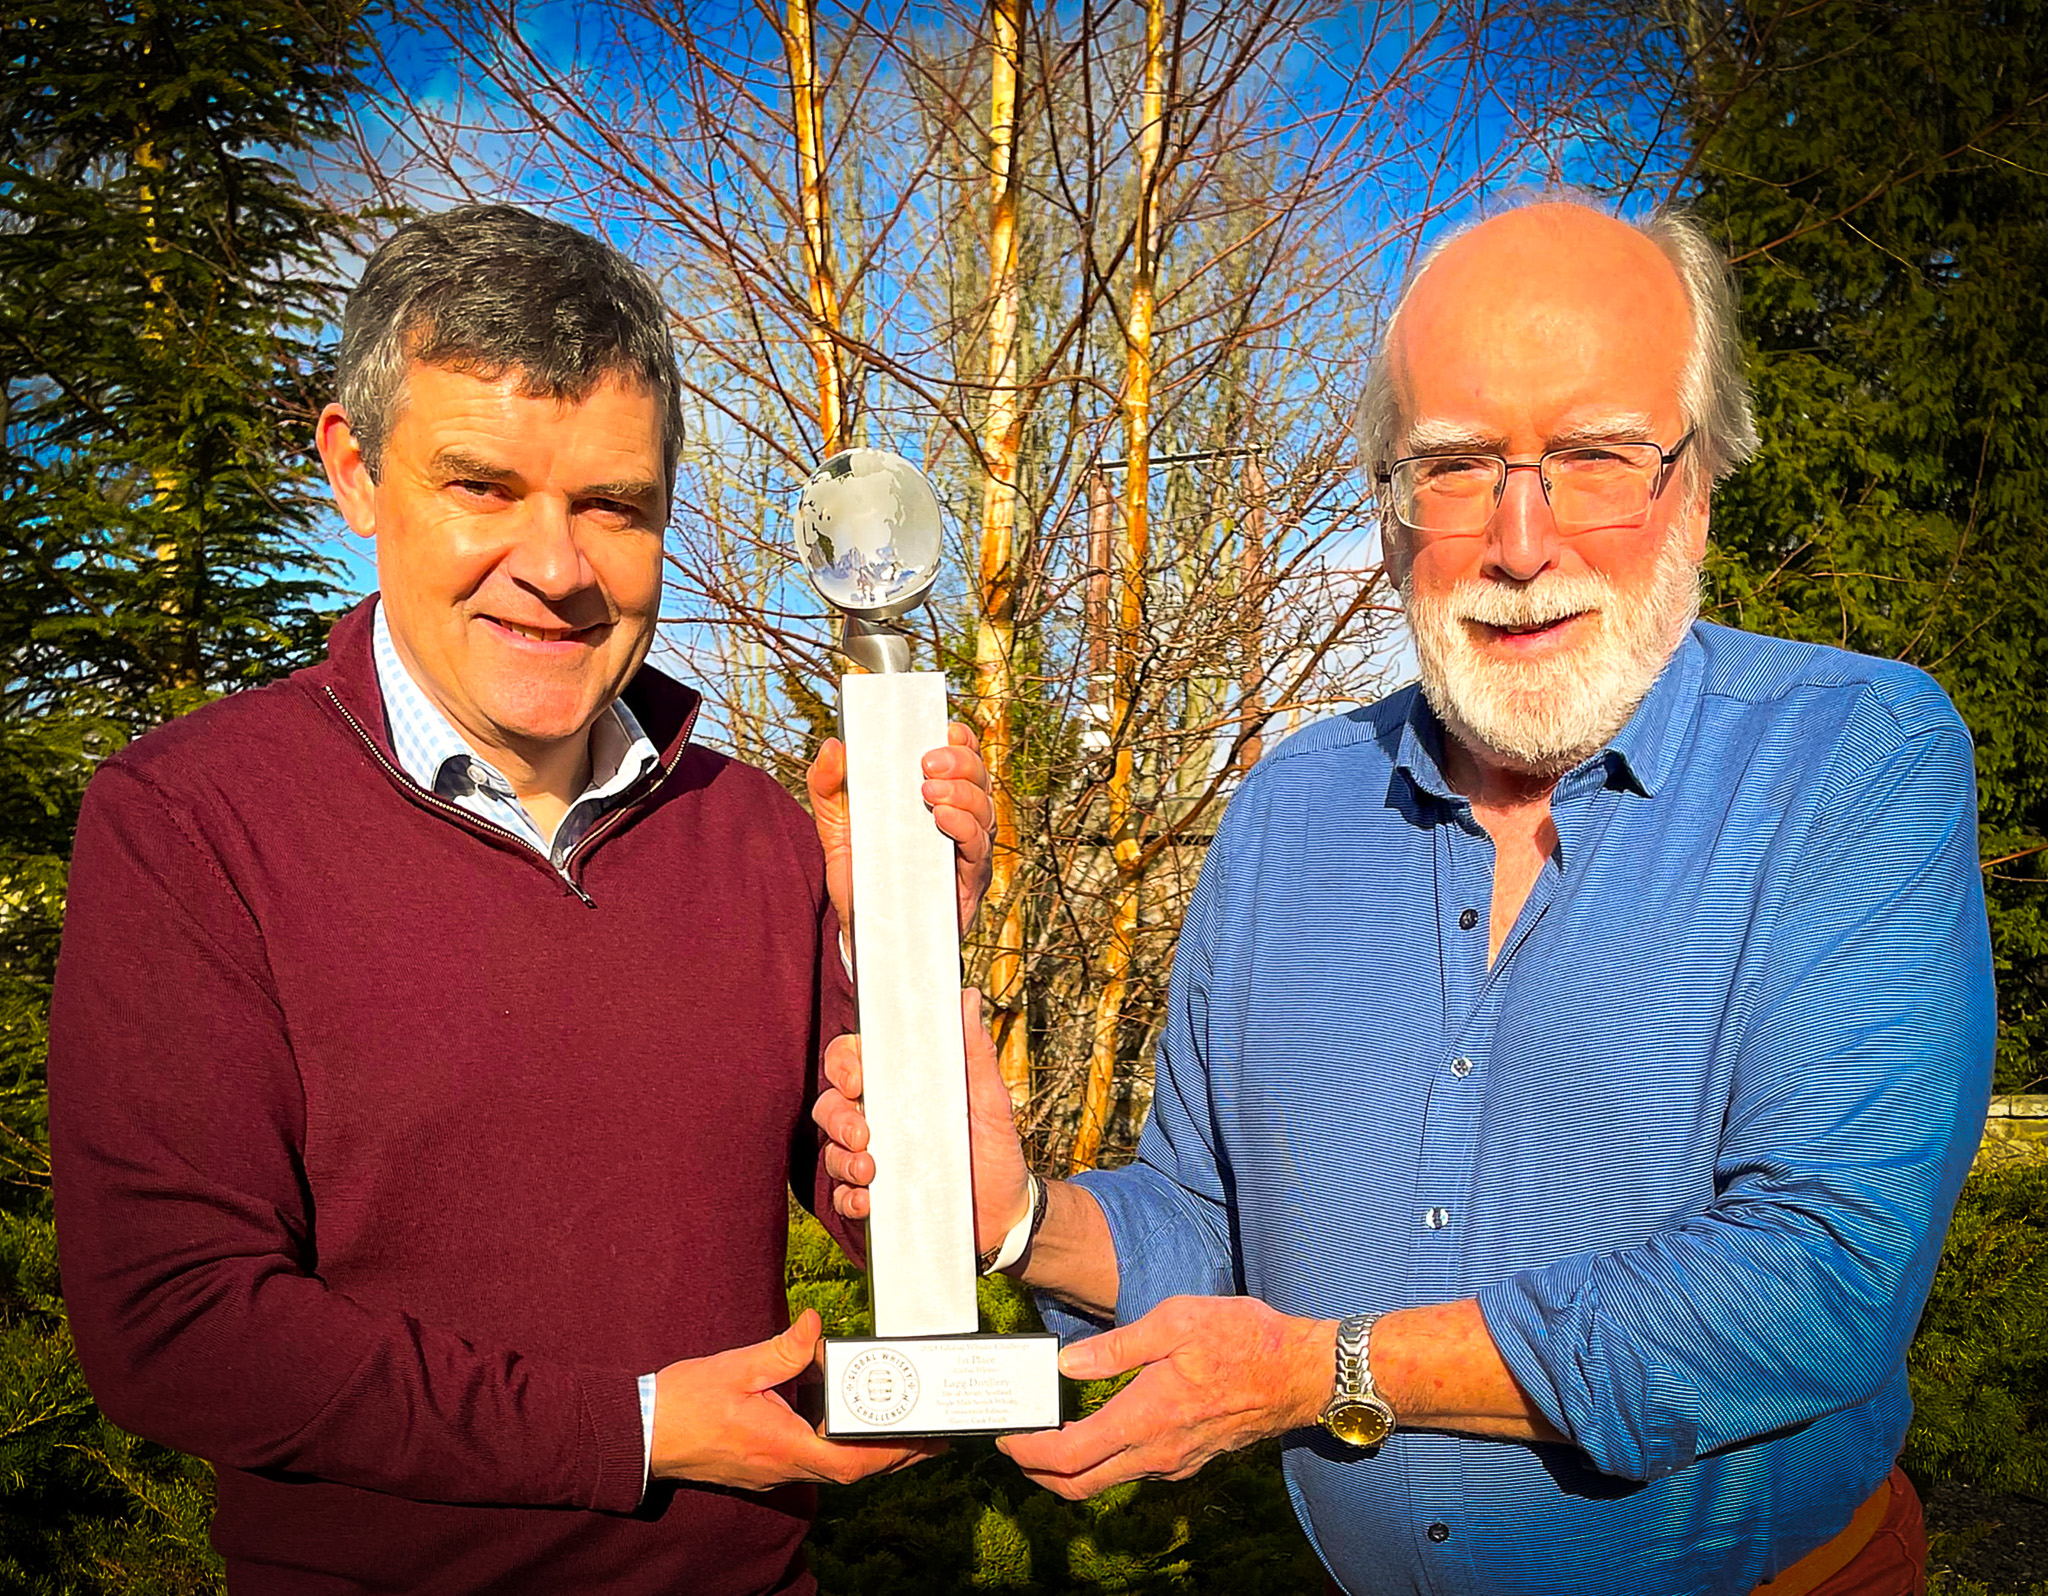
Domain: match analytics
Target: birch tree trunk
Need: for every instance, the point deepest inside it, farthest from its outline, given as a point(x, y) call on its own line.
point(1132, 554)
point(178, 665)
point(996, 628)
point(799, 48)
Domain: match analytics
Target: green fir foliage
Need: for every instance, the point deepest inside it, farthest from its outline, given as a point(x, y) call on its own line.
point(1882, 180)
point(162, 292)
point(1941, 1582)
point(1979, 1366)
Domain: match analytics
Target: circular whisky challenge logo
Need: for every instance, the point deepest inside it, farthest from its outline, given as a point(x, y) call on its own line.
point(880, 1386)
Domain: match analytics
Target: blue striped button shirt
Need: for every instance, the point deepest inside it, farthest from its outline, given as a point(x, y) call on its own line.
point(1692, 1140)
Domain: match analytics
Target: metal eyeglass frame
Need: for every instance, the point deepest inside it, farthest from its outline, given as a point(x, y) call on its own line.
point(1667, 458)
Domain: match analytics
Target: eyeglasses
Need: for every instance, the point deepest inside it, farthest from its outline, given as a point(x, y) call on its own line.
point(1588, 485)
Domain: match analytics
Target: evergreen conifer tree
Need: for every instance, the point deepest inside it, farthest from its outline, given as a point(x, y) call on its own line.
point(1882, 179)
point(163, 287)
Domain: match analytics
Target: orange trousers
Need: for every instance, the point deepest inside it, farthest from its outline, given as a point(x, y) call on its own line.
point(1882, 1551)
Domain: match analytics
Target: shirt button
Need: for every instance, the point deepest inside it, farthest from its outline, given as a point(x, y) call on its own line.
point(1461, 1067)
point(1439, 1533)
point(1467, 919)
point(1437, 1218)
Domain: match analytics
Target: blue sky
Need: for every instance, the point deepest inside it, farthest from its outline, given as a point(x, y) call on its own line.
point(1484, 139)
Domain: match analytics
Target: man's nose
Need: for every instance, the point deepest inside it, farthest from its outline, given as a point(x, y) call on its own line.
point(1521, 540)
point(548, 558)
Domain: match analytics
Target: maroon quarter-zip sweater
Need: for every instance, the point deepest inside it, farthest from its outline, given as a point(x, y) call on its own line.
point(386, 1159)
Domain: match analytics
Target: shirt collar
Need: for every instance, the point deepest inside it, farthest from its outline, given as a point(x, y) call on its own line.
point(620, 751)
point(426, 743)
point(1648, 748)
point(1640, 756)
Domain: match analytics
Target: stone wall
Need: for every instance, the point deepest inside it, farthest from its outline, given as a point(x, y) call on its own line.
point(2015, 1132)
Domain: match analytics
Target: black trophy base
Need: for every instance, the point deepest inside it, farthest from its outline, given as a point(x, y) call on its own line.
point(941, 1385)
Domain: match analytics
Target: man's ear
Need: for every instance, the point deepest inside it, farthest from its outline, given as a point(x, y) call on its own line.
point(348, 473)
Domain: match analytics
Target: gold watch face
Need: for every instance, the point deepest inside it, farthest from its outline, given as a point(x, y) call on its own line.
point(1358, 1423)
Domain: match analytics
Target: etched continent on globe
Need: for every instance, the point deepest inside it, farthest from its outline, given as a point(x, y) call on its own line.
point(869, 532)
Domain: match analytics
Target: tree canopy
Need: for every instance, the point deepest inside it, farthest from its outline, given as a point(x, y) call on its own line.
point(1880, 171)
point(164, 286)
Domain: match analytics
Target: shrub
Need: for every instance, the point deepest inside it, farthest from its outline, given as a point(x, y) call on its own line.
point(1979, 1365)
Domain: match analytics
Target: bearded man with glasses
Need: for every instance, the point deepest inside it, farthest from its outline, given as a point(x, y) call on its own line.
point(1572, 1059)
point(1537, 706)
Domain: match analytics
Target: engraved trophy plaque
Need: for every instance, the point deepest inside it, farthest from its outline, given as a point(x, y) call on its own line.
point(869, 531)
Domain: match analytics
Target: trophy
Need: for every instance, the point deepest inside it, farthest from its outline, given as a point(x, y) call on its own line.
point(869, 531)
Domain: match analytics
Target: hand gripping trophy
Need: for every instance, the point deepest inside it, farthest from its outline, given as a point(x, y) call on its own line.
point(869, 531)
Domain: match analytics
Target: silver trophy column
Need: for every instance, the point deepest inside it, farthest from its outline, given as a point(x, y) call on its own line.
point(870, 534)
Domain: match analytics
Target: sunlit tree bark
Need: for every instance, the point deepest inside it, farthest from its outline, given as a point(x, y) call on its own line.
point(799, 46)
point(1132, 552)
point(996, 631)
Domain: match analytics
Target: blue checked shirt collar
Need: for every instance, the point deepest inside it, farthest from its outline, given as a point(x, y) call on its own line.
point(1639, 758)
point(434, 755)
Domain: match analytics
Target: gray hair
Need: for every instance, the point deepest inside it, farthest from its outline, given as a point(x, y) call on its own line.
point(1713, 392)
point(494, 290)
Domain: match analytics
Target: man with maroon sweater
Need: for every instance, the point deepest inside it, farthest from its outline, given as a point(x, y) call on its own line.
point(436, 1029)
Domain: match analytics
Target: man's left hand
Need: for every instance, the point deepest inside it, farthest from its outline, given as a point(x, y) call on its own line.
point(1216, 1374)
point(956, 790)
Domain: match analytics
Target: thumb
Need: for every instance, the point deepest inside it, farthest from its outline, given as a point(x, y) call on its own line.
point(826, 777)
point(784, 1357)
point(986, 1093)
point(1100, 1357)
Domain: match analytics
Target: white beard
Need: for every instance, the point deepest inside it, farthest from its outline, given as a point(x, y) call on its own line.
point(1546, 716)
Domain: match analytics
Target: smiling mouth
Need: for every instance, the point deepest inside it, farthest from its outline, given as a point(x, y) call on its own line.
point(546, 634)
point(1555, 623)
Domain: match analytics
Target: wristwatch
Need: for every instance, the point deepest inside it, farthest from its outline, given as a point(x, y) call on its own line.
point(1356, 1413)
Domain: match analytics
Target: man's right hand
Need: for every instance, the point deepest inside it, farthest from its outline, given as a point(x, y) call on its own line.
point(719, 1420)
point(1002, 1195)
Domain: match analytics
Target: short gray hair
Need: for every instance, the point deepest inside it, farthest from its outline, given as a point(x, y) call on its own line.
point(494, 290)
point(1713, 391)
